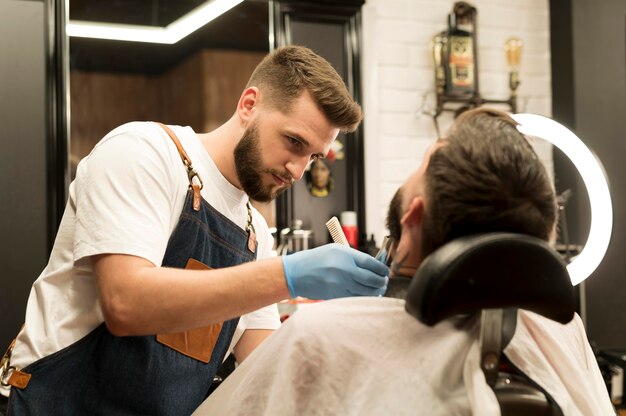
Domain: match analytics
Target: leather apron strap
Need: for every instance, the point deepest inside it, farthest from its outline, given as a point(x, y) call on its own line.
point(191, 172)
point(9, 375)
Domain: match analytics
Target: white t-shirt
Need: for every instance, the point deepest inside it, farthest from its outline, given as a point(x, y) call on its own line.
point(127, 198)
point(367, 356)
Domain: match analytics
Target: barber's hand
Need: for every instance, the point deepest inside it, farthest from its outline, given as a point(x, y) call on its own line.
point(334, 271)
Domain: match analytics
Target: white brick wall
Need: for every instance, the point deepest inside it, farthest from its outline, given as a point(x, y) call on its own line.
point(398, 77)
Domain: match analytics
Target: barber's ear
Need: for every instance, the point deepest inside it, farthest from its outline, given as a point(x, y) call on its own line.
point(247, 103)
point(414, 215)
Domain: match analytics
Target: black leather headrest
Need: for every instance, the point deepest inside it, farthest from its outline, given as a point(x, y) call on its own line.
point(492, 270)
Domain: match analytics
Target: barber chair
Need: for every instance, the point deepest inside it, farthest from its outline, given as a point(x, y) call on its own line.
point(494, 274)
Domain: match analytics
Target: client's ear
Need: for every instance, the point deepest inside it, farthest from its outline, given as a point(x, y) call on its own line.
point(410, 245)
point(415, 213)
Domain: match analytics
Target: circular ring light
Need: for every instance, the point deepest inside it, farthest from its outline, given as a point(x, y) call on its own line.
point(595, 181)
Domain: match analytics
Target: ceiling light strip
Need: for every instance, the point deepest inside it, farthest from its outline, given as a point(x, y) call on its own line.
point(174, 32)
point(199, 17)
point(114, 31)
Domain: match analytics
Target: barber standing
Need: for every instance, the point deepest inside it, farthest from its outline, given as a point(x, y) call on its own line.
point(159, 237)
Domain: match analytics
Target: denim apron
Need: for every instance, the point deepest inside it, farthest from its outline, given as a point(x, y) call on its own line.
point(102, 374)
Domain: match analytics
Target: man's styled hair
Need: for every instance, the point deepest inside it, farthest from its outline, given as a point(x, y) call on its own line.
point(486, 177)
point(284, 74)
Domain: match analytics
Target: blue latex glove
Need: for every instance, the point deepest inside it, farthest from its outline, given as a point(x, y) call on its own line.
point(334, 271)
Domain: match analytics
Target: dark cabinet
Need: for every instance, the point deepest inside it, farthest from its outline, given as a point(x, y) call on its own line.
point(33, 174)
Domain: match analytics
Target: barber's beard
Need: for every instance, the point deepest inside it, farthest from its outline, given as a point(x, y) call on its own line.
point(250, 169)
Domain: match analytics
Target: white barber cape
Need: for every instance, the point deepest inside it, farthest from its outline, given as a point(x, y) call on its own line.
point(367, 356)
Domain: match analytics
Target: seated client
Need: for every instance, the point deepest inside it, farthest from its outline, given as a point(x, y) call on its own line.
point(367, 356)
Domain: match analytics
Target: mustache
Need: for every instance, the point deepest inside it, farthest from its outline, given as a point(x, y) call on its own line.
point(285, 176)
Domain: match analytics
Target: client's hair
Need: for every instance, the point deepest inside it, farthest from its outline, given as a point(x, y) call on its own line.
point(287, 72)
point(486, 177)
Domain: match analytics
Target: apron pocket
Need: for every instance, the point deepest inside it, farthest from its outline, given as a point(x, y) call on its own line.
point(195, 343)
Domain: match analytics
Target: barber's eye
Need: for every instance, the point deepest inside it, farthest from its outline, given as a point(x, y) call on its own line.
point(293, 141)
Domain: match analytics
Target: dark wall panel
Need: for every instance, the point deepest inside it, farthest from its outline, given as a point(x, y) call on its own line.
point(332, 29)
point(327, 40)
point(599, 62)
point(23, 186)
